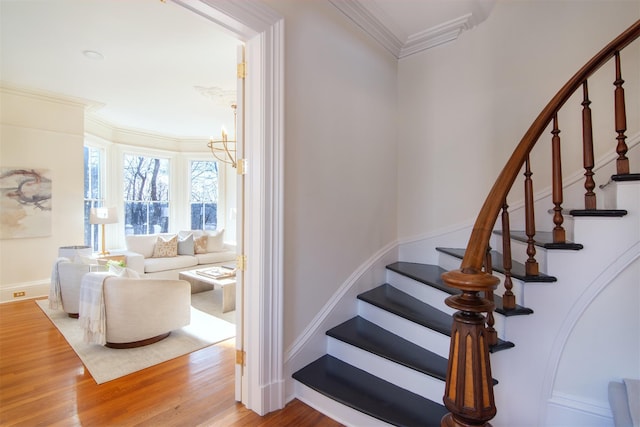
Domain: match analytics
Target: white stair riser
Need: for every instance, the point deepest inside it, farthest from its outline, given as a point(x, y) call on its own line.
point(432, 296)
point(419, 335)
point(425, 293)
point(519, 253)
point(334, 409)
point(622, 195)
point(448, 262)
point(400, 375)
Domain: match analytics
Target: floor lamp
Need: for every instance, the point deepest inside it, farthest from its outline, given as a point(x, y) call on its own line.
point(103, 216)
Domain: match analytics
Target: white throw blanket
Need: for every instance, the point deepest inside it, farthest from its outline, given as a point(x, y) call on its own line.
point(55, 293)
point(92, 316)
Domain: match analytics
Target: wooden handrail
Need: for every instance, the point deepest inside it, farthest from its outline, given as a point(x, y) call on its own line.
point(469, 390)
point(485, 222)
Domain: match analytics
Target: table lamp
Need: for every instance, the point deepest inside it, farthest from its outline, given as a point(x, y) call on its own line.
point(103, 216)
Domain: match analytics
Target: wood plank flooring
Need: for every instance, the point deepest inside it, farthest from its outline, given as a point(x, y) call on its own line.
point(43, 382)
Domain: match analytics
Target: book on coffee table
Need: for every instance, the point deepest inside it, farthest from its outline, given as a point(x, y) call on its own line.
point(217, 272)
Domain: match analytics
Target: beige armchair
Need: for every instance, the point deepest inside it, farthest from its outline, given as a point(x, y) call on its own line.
point(141, 311)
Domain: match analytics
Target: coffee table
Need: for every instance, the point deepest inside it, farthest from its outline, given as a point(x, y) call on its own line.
point(227, 284)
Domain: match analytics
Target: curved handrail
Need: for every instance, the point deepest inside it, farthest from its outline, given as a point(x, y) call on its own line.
point(481, 233)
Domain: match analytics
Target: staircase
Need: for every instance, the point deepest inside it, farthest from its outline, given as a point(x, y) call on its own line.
point(388, 364)
point(395, 362)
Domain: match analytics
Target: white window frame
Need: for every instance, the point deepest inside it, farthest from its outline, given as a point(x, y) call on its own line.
point(152, 154)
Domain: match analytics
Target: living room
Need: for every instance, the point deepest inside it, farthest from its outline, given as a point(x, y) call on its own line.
point(62, 130)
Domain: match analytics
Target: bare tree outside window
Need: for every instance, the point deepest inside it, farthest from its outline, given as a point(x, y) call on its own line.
point(204, 195)
point(146, 194)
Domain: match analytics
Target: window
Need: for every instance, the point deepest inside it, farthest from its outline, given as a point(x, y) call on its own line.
point(204, 195)
point(93, 191)
point(146, 194)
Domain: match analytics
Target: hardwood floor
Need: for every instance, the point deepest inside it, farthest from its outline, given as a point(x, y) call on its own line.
point(43, 382)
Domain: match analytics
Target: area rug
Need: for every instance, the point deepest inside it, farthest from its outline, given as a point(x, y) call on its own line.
point(106, 364)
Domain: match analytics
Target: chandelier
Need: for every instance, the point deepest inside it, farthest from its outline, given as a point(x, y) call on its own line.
point(224, 149)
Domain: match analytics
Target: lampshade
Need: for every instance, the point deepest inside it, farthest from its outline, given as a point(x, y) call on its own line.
point(103, 216)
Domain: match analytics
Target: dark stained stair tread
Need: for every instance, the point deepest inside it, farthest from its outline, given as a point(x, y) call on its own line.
point(368, 336)
point(626, 177)
point(517, 271)
point(403, 305)
point(606, 213)
point(369, 394)
point(543, 239)
point(431, 275)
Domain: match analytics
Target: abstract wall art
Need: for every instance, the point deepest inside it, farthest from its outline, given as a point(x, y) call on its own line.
point(25, 203)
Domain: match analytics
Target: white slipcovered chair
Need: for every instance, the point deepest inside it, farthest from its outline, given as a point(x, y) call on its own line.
point(141, 311)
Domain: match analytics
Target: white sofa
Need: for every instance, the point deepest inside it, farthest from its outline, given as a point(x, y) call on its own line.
point(146, 253)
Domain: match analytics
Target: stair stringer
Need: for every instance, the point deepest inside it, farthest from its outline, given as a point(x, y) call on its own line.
point(527, 370)
point(559, 403)
point(312, 343)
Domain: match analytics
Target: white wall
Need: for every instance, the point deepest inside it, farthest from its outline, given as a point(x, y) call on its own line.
point(340, 158)
point(464, 106)
point(42, 132)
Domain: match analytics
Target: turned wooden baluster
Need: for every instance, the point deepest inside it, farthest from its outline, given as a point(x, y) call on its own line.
point(622, 163)
point(508, 298)
point(492, 334)
point(556, 170)
point(587, 150)
point(468, 393)
point(531, 265)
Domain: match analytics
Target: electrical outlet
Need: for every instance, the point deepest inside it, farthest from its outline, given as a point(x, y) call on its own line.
point(19, 294)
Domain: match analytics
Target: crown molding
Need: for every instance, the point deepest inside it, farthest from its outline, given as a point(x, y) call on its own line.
point(435, 36)
point(57, 98)
point(135, 137)
point(361, 13)
point(363, 18)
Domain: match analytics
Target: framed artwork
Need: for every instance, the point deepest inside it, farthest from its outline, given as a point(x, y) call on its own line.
point(25, 203)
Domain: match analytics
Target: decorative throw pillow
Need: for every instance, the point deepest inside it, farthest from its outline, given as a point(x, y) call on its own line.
point(124, 272)
point(186, 245)
point(166, 248)
point(215, 241)
point(185, 233)
point(200, 245)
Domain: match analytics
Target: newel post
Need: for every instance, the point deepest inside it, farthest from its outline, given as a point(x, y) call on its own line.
point(469, 388)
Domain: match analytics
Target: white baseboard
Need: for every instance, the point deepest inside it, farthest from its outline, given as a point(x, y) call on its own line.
point(568, 410)
point(33, 289)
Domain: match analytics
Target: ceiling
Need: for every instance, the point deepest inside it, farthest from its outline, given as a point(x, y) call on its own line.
point(165, 70)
